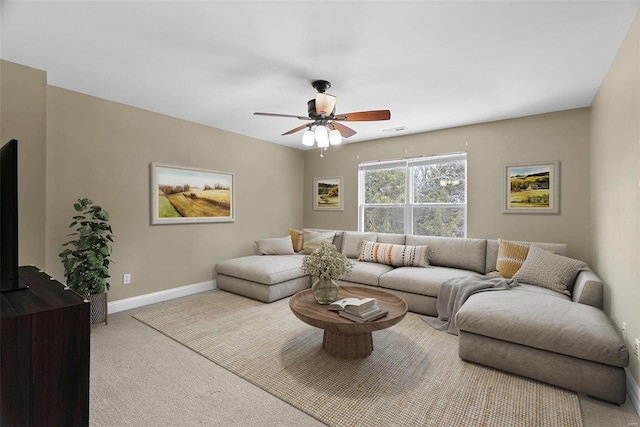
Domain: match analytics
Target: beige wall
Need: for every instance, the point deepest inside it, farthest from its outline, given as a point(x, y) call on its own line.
point(560, 136)
point(102, 150)
point(615, 188)
point(73, 145)
point(23, 116)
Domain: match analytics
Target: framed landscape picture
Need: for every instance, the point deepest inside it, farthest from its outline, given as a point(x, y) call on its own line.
point(186, 195)
point(532, 188)
point(328, 194)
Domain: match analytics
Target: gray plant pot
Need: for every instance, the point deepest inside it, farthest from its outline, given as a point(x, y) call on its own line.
point(98, 306)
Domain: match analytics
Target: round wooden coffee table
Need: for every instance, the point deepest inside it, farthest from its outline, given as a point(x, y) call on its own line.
point(344, 338)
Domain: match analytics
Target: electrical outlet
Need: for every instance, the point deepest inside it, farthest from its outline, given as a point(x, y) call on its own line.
point(126, 279)
point(636, 348)
point(624, 329)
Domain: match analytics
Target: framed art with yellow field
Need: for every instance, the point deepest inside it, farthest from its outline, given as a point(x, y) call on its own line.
point(187, 195)
point(532, 188)
point(328, 194)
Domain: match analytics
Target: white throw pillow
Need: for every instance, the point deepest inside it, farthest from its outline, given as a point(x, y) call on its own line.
point(275, 246)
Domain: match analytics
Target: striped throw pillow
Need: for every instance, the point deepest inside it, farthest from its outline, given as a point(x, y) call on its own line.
point(395, 255)
point(511, 255)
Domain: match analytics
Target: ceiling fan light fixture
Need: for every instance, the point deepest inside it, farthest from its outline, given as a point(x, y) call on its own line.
point(335, 137)
point(308, 138)
point(325, 104)
point(322, 136)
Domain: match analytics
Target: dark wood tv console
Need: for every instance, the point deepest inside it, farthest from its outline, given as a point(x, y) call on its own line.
point(44, 354)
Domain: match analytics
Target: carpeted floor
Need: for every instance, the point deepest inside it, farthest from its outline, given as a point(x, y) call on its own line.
point(413, 377)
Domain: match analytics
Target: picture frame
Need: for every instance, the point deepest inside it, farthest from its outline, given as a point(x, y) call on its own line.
point(328, 194)
point(183, 195)
point(532, 188)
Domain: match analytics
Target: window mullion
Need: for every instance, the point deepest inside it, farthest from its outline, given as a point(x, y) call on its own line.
point(408, 209)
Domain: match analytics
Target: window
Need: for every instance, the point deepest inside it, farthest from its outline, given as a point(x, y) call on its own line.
point(423, 195)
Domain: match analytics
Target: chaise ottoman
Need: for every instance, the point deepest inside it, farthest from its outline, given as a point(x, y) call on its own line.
point(544, 335)
point(265, 278)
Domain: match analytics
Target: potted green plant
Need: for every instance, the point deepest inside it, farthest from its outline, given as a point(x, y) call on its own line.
point(86, 259)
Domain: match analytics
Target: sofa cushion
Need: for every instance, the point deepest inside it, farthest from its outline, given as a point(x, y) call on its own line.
point(366, 273)
point(423, 281)
point(266, 269)
point(545, 322)
point(511, 256)
point(275, 246)
point(396, 255)
point(352, 242)
point(546, 269)
point(466, 254)
point(312, 239)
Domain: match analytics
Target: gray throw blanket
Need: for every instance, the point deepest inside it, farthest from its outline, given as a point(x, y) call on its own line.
point(454, 292)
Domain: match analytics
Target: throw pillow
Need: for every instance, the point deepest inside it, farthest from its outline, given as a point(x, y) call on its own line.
point(275, 246)
point(296, 239)
point(548, 270)
point(395, 255)
point(313, 239)
point(511, 256)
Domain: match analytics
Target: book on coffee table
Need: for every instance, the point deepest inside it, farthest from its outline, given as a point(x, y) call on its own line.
point(354, 305)
point(376, 314)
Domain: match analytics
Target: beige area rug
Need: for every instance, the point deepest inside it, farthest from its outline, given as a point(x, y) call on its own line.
point(413, 377)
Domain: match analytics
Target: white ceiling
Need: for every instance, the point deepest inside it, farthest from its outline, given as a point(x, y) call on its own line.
point(433, 64)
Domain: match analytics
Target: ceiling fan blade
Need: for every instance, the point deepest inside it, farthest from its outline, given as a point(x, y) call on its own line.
point(345, 131)
point(294, 130)
point(364, 116)
point(281, 115)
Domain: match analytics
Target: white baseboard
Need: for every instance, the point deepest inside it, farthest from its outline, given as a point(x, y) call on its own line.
point(633, 391)
point(155, 297)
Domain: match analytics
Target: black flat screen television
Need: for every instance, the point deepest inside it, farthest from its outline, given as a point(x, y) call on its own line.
point(9, 280)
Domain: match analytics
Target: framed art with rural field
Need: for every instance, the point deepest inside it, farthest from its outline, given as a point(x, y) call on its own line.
point(328, 194)
point(187, 195)
point(532, 188)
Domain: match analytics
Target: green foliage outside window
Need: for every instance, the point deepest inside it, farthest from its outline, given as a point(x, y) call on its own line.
point(384, 220)
point(385, 186)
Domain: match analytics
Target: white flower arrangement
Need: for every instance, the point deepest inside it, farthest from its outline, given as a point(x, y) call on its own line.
point(326, 262)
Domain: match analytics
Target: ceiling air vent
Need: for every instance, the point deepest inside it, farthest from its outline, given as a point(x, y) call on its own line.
point(398, 129)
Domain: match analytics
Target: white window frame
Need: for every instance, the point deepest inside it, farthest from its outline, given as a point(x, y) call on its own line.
point(409, 203)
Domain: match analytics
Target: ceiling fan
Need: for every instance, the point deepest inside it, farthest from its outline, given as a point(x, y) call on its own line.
point(325, 127)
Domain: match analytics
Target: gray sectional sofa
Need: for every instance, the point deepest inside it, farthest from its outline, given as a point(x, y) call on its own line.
point(564, 339)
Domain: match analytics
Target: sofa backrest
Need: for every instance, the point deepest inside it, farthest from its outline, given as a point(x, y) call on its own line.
point(396, 239)
point(492, 251)
point(352, 242)
point(479, 255)
point(467, 254)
